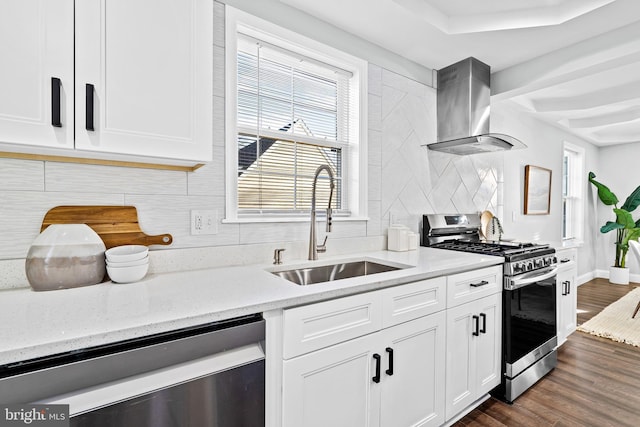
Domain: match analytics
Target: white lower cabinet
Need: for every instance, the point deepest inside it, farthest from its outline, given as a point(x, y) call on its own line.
point(567, 294)
point(401, 356)
point(331, 387)
point(473, 352)
point(412, 395)
point(394, 377)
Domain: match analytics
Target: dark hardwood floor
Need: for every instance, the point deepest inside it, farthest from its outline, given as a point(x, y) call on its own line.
point(596, 382)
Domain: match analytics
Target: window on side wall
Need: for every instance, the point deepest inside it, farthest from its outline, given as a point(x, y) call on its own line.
point(292, 105)
point(572, 192)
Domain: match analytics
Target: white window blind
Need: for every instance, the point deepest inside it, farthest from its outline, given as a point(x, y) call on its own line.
point(292, 116)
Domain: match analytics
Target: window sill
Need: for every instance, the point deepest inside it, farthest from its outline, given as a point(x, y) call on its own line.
point(572, 243)
point(250, 220)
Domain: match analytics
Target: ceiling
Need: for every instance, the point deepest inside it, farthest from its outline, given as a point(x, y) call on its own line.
point(572, 63)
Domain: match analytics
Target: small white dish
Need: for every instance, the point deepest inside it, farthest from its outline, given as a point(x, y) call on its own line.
point(127, 274)
point(126, 253)
point(133, 263)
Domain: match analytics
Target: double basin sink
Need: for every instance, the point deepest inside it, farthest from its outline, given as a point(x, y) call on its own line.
point(327, 273)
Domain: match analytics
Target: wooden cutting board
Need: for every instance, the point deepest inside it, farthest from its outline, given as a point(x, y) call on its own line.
point(116, 225)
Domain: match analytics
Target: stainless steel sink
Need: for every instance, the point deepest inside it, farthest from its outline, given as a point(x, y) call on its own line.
point(327, 273)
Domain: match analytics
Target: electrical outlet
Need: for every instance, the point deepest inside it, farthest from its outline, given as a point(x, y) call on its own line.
point(204, 222)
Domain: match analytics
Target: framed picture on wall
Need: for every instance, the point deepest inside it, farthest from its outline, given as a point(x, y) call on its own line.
point(537, 190)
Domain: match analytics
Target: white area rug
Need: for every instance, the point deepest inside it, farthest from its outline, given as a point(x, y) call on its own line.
point(615, 322)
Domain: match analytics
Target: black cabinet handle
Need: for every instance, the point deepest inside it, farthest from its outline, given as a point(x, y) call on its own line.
point(376, 377)
point(476, 321)
point(56, 83)
point(565, 288)
point(390, 370)
point(568, 287)
point(476, 285)
point(88, 123)
point(484, 323)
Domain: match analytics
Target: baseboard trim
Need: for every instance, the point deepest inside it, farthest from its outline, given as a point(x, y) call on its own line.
point(604, 274)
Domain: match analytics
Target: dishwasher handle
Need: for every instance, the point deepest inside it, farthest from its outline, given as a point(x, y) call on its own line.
point(99, 396)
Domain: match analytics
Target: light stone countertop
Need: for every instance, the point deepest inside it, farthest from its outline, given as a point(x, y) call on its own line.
point(36, 324)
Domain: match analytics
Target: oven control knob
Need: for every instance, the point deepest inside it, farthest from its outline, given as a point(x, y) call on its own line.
point(517, 268)
point(530, 266)
point(547, 261)
point(538, 263)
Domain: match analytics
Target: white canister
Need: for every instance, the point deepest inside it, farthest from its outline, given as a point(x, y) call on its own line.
point(398, 238)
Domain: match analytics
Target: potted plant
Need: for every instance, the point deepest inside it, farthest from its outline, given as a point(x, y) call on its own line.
point(626, 228)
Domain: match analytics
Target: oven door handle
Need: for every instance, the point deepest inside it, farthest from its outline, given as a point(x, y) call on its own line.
point(518, 283)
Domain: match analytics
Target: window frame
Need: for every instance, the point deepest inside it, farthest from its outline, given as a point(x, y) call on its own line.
point(355, 162)
point(573, 158)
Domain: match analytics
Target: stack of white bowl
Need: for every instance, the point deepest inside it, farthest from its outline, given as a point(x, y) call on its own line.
point(126, 264)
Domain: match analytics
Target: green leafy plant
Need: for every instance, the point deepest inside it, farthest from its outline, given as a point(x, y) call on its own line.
point(626, 228)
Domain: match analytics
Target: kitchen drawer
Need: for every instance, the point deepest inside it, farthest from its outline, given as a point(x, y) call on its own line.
point(407, 302)
point(567, 258)
point(311, 327)
point(471, 285)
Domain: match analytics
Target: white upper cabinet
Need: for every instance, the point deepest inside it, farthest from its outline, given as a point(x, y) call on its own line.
point(143, 77)
point(36, 47)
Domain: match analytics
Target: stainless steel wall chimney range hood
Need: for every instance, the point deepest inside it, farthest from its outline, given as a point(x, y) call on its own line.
point(463, 107)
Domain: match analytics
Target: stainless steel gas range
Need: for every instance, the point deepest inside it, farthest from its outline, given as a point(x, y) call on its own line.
point(529, 327)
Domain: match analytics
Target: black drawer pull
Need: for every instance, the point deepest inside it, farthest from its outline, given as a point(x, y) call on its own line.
point(88, 122)
point(476, 324)
point(56, 83)
point(390, 370)
point(563, 260)
point(568, 287)
point(376, 377)
point(476, 285)
point(484, 323)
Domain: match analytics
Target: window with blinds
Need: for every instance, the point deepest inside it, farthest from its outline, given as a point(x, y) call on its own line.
point(572, 183)
point(292, 116)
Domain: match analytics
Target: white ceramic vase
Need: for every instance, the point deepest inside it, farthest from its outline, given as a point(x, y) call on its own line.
point(65, 256)
point(618, 275)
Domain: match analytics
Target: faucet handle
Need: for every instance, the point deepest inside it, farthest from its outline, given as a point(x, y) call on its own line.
point(277, 256)
point(323, 247)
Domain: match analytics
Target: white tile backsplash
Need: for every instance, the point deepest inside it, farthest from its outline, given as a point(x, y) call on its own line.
point(78, 178)
point(25, 175)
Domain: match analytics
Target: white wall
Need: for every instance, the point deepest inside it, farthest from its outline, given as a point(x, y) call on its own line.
point(618, 169)
point(545, 149)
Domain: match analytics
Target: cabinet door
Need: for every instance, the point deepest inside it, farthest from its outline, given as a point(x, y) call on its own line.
point(474, 351)
point(461, 371)
point(333, 386)
point(36, 45)
point(488, 356)
point(413, 391)
point(567, 293)
point(144, 77)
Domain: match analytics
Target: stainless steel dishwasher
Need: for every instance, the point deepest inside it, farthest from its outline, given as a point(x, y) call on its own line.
point(210, 375)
